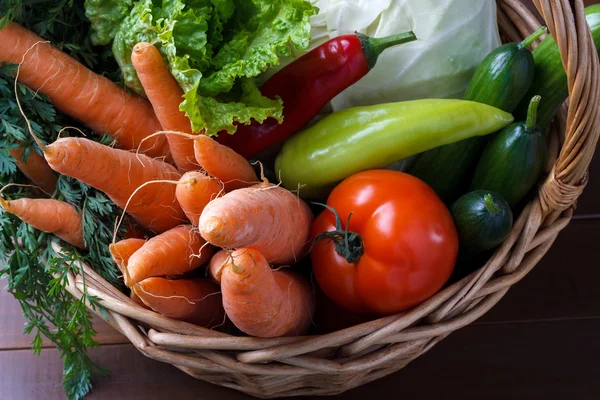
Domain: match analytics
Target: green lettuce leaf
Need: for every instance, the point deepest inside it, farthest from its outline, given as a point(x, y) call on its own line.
point(106, 17)
point(213, 48)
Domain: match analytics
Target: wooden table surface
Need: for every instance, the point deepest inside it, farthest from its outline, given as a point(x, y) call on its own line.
point(539, 342)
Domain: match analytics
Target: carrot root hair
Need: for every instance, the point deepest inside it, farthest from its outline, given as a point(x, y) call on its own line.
point(236, 268)
point(5, 204)
point(192, 302)
point(21, 185)
point(229, 258)
point(263, 178)
point(159, 133)
point(199, 255)
point(29, 127)
point(120, 220)
point(70, 127)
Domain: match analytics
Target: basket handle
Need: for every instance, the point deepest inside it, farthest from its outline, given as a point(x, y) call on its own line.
point(569, 175)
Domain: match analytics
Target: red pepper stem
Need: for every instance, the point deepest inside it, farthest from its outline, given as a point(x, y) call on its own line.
point(373, 47)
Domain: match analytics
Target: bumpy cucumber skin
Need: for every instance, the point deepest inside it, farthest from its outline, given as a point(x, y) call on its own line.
point(550, 79)
point(503, 77)
point(501, 80)
point(478, 228)
point(512, 163)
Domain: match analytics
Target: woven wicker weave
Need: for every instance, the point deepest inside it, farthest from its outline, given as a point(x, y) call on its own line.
point(335, 362)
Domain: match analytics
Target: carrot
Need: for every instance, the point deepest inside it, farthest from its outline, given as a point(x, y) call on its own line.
point(224, 164)
point(137, 299)
point(194, 191)
point(265, 217)
point(192, 300)
point(132, 230)
point(48, 215)
point(173, 252)
point(36, 169)
point(164, 93)
point(262, 302)
point(81, 93)
point(217, 262)
point(123, 250)
point(119, 173)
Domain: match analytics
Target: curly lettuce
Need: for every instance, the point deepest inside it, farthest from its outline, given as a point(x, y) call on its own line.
point(213, 48)
point(106, 17)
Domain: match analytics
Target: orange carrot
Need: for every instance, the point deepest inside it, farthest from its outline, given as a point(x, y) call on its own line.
point(262, 302)
point(192, 300)
point(173, 252)
point(47, 215)
point(194, 191)
point(137, 299)
point(217, 262)
point(224, 164)
point(265, 217)
point(119, 173)
point(36, 169)
point(133, 230)
point(164, 93)
point(123, 250)
point(81, 93)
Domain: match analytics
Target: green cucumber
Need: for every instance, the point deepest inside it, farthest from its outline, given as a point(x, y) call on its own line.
point(550, 79)
point(514, 159)
point(501, 80)
point(483, 220)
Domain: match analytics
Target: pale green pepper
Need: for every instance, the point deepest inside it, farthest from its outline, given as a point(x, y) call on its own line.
point(362, 138)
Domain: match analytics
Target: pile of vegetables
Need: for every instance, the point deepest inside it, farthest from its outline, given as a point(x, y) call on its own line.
point(147, 113)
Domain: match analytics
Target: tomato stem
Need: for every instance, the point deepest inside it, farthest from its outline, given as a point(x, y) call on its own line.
point(347, 244)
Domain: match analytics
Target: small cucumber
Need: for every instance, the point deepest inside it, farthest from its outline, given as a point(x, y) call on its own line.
point(483, 220)
point(550, 80)
point(501, 80)
point(514, 159)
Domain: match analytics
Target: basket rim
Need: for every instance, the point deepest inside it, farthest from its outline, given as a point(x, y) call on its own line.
point(390, 342)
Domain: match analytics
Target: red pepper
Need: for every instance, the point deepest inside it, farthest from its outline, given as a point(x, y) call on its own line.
point(308, 84)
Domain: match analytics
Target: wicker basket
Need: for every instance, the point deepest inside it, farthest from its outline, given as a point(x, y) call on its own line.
point(336, 362)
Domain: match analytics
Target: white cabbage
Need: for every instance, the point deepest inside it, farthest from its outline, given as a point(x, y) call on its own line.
point(453, 37)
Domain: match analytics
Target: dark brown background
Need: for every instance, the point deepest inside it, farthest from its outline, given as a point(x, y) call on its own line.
point(539, 342)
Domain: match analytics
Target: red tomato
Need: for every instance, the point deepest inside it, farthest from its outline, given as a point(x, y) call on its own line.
point(330, 317)
point(402, 243)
